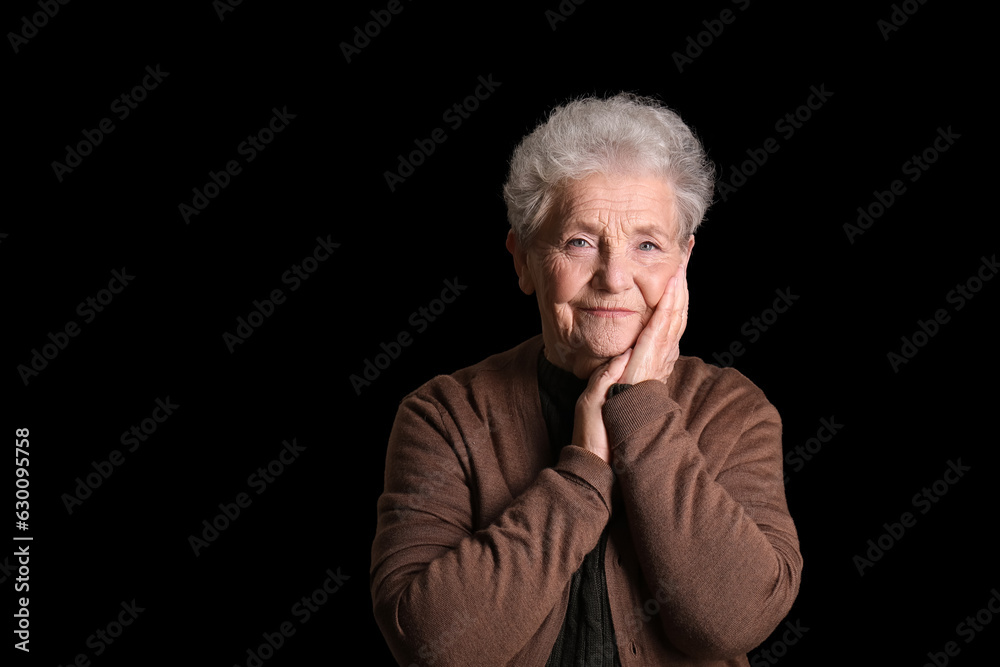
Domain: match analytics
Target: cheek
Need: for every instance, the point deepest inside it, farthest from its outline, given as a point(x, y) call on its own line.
point(564, 278)
point(653, 284)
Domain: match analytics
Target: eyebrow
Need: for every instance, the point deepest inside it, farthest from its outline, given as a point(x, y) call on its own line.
point(647, 229)
point(650, 230)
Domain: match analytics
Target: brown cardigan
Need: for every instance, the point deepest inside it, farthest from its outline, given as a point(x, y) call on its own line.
point(477, 538)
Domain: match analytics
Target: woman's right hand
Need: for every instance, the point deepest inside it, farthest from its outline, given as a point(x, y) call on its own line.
point(588, 422)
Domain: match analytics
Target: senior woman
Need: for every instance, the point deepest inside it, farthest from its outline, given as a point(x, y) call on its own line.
point(590, 497)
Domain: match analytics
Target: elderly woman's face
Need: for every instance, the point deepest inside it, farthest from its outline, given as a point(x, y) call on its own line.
point(599, 265)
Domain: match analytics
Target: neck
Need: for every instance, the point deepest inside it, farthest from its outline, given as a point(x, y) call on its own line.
point(576, 362)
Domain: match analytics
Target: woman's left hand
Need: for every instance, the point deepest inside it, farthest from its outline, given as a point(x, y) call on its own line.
point(658, 346)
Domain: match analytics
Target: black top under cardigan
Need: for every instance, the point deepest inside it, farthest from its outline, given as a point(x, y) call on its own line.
point(587, 637)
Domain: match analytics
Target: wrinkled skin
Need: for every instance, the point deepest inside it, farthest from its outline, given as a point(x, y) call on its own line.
point(610, 279)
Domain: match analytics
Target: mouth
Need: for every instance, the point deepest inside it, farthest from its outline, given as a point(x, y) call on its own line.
point(613, 313)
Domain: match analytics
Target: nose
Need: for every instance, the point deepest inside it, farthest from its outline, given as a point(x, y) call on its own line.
point(612, 273)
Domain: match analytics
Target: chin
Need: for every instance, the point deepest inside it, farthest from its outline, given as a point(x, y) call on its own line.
point(586, 347)
point(607, 343)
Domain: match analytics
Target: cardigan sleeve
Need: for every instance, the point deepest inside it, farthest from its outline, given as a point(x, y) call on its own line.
point(707, 514)
point(448, 592)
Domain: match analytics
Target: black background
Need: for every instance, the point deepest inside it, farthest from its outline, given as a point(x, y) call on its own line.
point(323, 176)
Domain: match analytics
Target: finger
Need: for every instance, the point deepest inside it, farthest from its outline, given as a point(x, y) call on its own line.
point(661, 314)
point(685, 297)
point(608, 373)
point(685, 300)
point(675, 300)
point(656, 330)
point(617, 366)
point(678, 318)
point(680, 294)
point(646, 345)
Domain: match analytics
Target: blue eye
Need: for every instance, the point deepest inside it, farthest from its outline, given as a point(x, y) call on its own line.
point(582, 243)
point(652, 246)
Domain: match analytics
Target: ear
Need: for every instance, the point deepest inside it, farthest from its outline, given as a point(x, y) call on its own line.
point(524, 279)
point(690, 247)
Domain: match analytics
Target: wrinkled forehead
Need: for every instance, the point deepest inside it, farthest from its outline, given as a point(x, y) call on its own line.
point(616, 205)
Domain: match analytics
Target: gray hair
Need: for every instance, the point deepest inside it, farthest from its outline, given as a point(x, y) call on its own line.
point(621, 135)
